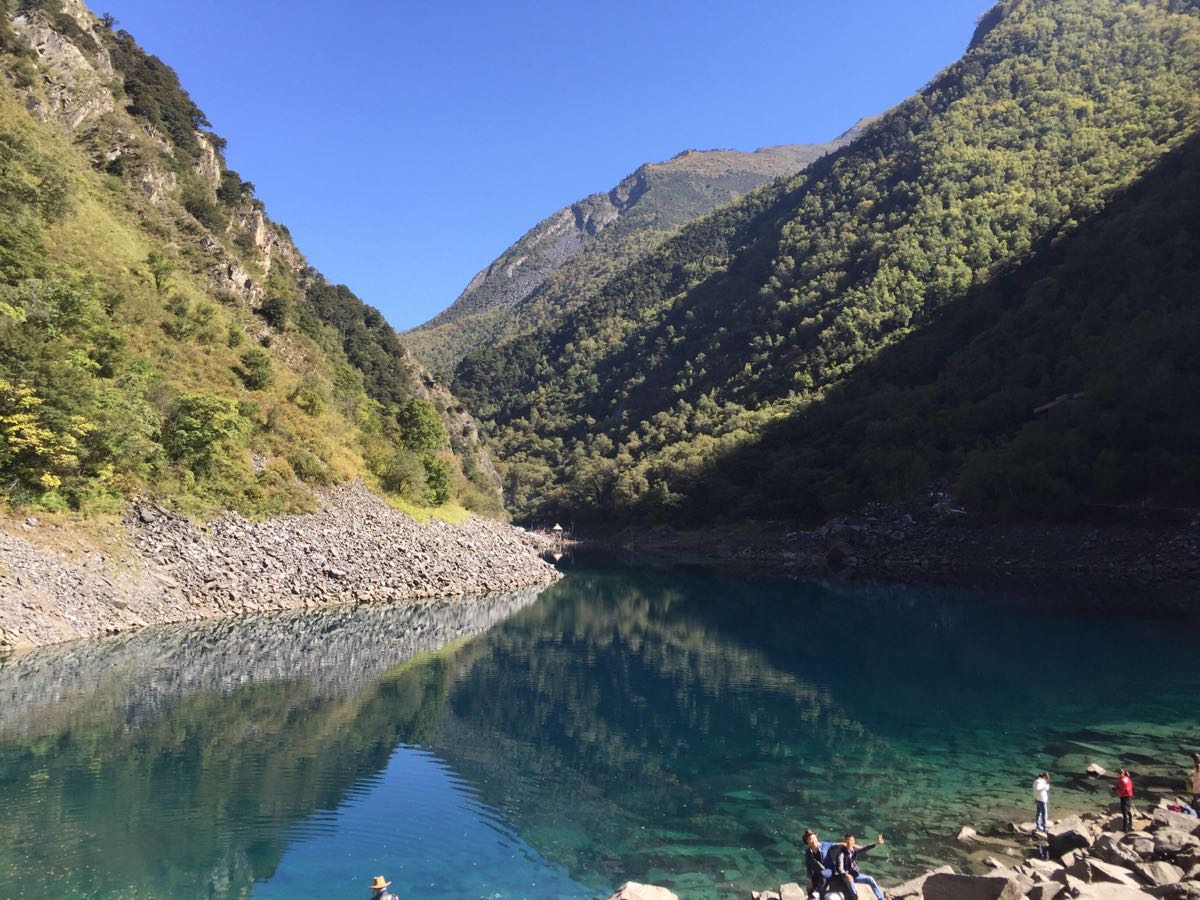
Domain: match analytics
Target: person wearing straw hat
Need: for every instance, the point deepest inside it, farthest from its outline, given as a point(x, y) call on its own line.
point(380, 887)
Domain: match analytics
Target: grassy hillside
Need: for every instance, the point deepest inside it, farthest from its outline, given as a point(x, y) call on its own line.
point(539, 276)
point(647, 399)
point(159, 334)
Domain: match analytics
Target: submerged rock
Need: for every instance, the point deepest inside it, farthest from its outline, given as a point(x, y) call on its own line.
point(632, 890)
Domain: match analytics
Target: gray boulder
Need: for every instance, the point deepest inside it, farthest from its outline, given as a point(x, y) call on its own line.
point(1174, 841)
point(974, 887)
point(1184, 890)
point(1093, 871)
point(1140, 843)
point(1047, 890)
point(1107, 872)
point(1070, 882)
point(1159, 873)
point(1069, 834)
point(1164, 818)
point(1111, 892)
point(1112, 849)
point(1062, 844)
point(1040, 870)
point(911, 890)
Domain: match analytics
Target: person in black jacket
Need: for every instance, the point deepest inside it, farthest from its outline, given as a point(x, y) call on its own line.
point(845, 867)
point(814, 864)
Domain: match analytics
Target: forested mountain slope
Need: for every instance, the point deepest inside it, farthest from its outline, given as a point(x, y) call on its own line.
point(1060, 388)
point(579, 245)
point(649, 396)
point(158, 332)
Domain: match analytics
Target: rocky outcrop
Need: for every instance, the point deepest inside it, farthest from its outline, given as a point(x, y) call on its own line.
point(208, 163)
point(1162, 861)
point(157, 184)
point(75, 88)
point(353, 549)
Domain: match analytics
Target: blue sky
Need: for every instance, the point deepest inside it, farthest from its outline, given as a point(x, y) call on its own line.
point(407, 145)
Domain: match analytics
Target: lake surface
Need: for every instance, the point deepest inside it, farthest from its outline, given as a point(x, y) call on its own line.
point(681, 729)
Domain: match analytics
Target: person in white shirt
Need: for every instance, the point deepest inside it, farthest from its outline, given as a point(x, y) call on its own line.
point(1041, 796)
point(1196, 782)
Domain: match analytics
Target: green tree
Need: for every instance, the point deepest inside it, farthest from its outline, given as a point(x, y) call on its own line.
point(421, 427)
point(309, 397)
point(199, 428)
point(162, 270)
point(437, 479)
point(276, 311)
point(402, 473)
point(255, 369)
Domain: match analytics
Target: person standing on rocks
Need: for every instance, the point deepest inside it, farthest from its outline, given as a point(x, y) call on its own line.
point(1124, 792)
point(1196, 782)
point(1041, 799)
point(845, 866)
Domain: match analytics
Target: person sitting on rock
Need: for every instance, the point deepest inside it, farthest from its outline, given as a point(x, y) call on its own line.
point(819, 874)
point(1041, 799)
point(845, 866)
point(380, 888)
point(1124, 791)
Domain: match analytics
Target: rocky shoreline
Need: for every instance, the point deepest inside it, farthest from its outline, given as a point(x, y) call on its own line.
point(160, 567)
point(1086, 857)
point(938, 543)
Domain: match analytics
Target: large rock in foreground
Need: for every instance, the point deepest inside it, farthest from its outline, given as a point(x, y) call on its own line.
point(973, 887)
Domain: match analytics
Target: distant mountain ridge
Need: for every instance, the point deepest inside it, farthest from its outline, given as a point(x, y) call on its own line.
point(633, 217)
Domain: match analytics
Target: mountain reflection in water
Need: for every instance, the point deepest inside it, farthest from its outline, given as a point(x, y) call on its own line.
point(680, 729)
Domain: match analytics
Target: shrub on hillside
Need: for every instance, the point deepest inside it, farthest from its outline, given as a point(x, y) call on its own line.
point(201, 427)
point(421, 427)
point(437, 479)
point(255, 370)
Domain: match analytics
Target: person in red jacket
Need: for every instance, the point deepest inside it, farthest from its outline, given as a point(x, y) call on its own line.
point(1124, 790)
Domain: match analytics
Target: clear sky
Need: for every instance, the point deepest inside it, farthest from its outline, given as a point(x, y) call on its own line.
point(406, 145)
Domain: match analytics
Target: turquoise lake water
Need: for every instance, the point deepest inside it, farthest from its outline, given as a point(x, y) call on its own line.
point(626, 724)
